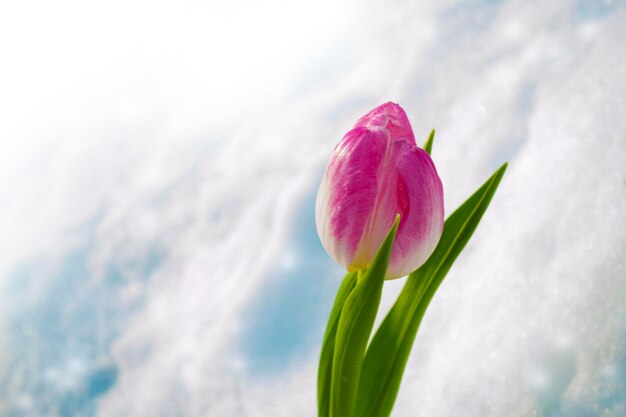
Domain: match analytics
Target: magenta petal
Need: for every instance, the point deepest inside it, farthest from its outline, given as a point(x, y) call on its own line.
point(348, 192)
point(392, 117)
point(419, 201)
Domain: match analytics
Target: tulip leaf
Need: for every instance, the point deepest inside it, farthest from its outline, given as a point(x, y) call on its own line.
point(428, 146)
point(328, 345)
point(354, 329)
point(389, 350)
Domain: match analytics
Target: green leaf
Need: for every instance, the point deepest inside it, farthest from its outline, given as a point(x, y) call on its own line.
point(353, 332)
point(428, 146)
point(389, 350)
point(328, 345)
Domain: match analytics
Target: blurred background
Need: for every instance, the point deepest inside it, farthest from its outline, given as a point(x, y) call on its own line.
point(158, 169)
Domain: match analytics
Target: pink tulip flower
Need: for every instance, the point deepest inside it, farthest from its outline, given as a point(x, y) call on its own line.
point(376, 172)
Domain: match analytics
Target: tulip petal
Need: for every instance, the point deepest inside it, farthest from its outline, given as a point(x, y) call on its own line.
point(419, 201)
point(393, 118)
point(348, 193)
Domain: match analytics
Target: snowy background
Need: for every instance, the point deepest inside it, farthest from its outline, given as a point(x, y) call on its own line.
point(158, 167)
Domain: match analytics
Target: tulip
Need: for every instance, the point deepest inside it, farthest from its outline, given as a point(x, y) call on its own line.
point(376, 172)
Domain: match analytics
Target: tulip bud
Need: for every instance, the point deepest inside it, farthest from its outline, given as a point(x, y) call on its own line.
point(376, 172)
